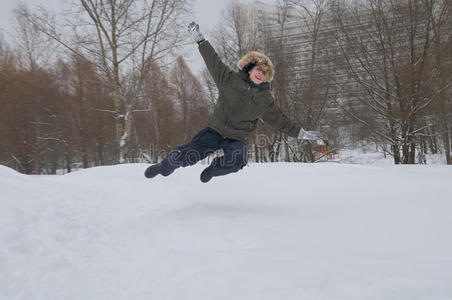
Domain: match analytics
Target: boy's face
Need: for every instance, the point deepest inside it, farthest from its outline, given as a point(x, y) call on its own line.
point(256, 75)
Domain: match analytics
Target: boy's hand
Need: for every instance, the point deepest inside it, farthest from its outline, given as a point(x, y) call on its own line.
point(197, 36)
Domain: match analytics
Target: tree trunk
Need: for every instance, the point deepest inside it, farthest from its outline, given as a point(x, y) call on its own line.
point(256, 150)
point(446, 142)
point(396, 153)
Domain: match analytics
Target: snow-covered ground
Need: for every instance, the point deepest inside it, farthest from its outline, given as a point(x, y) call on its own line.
point(371, 157)
point(272, 231)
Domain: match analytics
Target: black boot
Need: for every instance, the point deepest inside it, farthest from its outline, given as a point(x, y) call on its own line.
point(206, 175)
point(152, 171)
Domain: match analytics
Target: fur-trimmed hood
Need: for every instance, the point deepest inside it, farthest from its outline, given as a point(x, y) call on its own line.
point(261, 60)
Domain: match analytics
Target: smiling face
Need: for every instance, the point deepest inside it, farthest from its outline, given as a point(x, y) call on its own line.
point(256, 75)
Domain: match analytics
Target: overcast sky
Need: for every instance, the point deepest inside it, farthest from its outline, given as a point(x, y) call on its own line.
point(207, 13)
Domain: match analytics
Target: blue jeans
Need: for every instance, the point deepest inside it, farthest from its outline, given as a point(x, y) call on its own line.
point(206, 142)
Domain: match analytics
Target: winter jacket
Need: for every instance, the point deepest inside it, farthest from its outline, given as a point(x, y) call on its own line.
point(241, 103)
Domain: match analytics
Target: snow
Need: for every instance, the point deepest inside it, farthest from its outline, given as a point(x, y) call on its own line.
point(371, 157)
point(271, 231)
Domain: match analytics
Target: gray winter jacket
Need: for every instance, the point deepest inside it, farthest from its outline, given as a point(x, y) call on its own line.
point(241, 103)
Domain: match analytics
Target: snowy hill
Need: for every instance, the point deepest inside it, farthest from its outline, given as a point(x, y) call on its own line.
point(271, 231)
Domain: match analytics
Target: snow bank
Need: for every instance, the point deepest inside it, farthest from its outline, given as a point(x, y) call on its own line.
point(271, 231)
point(6, 172)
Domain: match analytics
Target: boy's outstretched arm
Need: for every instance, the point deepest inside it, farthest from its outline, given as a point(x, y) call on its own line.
point(219, 71)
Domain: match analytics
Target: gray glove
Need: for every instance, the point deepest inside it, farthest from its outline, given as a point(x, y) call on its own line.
point(193, 29)
point(310, 136)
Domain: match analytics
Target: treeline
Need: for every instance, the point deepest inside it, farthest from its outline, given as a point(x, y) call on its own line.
point(399, 55)
point(111, 87)
point(62, 117)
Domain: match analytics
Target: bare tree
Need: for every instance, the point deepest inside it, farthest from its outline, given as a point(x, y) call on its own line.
point(188, 94)
point(297, 43)
point(442, 39)
point(278, 45)
point(387, 48)
point(122, 38)
point(162, 122)
point(236, 33)
point(32, 44)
